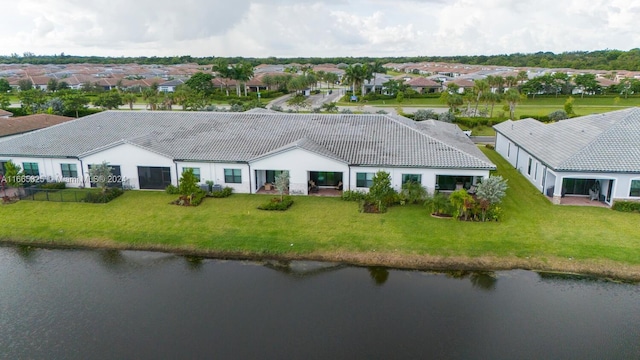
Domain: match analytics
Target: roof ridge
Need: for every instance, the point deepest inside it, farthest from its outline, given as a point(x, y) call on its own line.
point(397, 120)
point(611, 128)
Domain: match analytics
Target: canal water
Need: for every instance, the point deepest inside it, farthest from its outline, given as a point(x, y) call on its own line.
point(82, 304)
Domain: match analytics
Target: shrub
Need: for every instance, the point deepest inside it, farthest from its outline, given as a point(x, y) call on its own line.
point(490, 146)
point(226, 192)
point(103, 197)
point(172, 190)
point(447, 117)
point(58, 185)
point(277, 204)
point(276, 108)
point(353, 195)
point(413, 192)
point(188, 182)
point(558, 115)
point(626, 206)
point(438, 204)
point(197, 197)
point(423, 114)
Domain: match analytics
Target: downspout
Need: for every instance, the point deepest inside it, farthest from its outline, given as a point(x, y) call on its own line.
point(177, 177)
point(349, 177)
point(82, 172)
point(250, 175)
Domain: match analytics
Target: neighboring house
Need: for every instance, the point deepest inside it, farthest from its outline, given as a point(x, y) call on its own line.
point(595, 155)
point(22, 124)
point(170, 86)
point(424, 85)
point(150, 150)
point(4, 114)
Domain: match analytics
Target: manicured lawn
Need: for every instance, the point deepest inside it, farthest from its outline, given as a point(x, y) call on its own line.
point(531, 227)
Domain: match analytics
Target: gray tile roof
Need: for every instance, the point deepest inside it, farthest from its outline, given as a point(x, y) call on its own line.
point(376, 140)
point(608, 142)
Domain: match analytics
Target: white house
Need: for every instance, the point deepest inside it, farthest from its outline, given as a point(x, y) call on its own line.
point(245, 151)
point(596, 155)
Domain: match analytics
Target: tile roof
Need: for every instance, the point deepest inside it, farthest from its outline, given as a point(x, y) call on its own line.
point(21, 124)
point(4, 113)
point(608, 142)
point(373, 139)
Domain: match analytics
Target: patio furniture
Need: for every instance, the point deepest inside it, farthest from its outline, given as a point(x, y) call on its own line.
point(267, 186)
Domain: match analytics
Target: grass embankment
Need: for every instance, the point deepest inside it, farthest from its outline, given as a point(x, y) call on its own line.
point(533, 233)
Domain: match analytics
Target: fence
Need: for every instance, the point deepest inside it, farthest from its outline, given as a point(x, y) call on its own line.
point(66, 195)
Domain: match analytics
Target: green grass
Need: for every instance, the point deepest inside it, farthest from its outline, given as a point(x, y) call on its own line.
point(531, 226)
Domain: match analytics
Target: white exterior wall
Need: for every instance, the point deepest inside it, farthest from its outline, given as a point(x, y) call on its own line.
point(50, 170)
point(129, 157)
point(217, 175)
point(428, 176)
point(299, 163)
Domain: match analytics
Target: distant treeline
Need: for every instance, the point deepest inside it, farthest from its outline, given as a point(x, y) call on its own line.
point(601, 60)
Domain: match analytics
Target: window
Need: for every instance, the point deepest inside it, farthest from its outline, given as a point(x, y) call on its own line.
point(535, 173)
point(529, 169)
point(69, 170)
point(233, 176)
point(196, 172)
point(364, 180)
point(635, 188)
point(508, 149)
point(3, 167)
point(31, 169)
point(416, 178)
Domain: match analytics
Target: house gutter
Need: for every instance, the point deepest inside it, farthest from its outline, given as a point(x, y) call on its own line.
point(82, 172)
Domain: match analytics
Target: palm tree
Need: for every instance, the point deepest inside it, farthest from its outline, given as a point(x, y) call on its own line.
point(512, 97)
point(241, 73)
point(481, 87)
point(493, 99)
point(377, 68)
point(129, 98)
point(221, 67)
point(522, 76)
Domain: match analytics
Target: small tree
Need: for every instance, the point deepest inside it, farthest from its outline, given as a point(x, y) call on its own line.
point(12, 172)
point(298, 102)
point(461, 202)
point(381, 189)
point(490, 192)
point(101, 174)
point(568, 106)
point(282, 183)
point(188, 183)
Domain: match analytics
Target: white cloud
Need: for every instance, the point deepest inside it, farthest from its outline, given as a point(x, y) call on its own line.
point(315, 28)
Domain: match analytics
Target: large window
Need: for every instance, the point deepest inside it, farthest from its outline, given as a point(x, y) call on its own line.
point(577, 186)
point(154, 177)
point(114, 181)
point(635, 188)
point(233, 176)
point(529, 169)
point(3, 167)
point(325, 178)
point(450, 183)
point(31, 169)
point(69, 170)
point(364, 180)
point(416, 178)
point(196, 172)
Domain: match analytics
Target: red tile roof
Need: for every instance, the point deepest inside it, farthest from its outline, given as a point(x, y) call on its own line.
point(23, 124)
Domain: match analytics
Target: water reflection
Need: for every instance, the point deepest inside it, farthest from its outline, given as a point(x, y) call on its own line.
point(379, 274)
point(483, 280)
point(302, 268)
point(194, 262)
point(112, 258)
point(26, 252)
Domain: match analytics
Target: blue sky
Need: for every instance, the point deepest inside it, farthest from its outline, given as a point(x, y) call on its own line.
point(328, 28)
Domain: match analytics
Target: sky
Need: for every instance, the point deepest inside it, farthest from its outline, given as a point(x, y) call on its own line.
point(327, 28)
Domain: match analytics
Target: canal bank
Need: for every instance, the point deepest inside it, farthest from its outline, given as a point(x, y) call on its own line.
point(597, 268)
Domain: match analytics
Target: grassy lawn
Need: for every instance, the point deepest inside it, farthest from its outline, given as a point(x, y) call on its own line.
point(531, 227)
